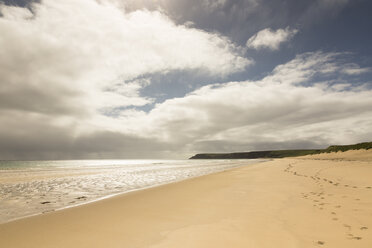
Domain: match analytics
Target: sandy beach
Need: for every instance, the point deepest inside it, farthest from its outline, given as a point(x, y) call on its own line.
point(313, 201)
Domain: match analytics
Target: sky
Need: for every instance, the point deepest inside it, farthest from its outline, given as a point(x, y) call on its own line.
point(96, 79)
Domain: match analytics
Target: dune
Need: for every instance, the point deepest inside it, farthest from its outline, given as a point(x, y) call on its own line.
point(359, 155)
point(322, 200)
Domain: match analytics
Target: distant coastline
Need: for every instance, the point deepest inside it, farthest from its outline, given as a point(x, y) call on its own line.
point(282, 153)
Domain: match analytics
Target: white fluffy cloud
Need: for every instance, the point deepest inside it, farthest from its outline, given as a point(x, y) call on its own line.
point(77, 57)
point(284, 109)
point(270, 39)
point(72, 70)
point(68, 64)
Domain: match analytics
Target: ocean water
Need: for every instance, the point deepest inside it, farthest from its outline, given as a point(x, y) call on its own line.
point(35, 187)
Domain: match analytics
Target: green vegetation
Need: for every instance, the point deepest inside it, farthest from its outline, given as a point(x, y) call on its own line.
point(257, 154)
point(365, 145)
point(281, 153)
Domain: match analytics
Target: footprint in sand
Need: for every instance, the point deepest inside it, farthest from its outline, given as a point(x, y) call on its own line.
point(357, 238)
point(351, 236)
point(363, 228)
point(333, 213)
point(320, 242)
point(335, 219)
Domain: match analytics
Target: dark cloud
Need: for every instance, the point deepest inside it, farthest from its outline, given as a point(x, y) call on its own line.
point(240, 19)
point(34, 99)
point(26, 139)
point(19, 3)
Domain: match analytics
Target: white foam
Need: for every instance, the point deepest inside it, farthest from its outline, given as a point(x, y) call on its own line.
point(26, 191)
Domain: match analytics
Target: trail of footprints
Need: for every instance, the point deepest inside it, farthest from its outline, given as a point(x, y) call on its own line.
point(319, 197)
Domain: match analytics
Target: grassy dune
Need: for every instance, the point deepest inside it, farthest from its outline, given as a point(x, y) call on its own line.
point(282, 153)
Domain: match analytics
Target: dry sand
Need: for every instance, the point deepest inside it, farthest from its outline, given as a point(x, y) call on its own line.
point(313, 201)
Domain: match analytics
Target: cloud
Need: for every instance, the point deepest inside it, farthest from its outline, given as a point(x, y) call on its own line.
point(213, 4)
point(294, 107)
point(71, 56)
point(21, 3)
point(42, 137)
point(354, 69)
point(72, 73)
point(67, 66)
point(270, 39)
point(240, 19)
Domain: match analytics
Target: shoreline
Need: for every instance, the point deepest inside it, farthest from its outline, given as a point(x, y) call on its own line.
point(294, 202)
point(128, 192)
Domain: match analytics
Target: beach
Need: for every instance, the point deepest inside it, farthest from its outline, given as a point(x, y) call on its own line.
point(34, 187)
point(320, 200)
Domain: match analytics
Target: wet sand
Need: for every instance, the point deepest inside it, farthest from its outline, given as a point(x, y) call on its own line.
point(313, 201)
point(31, 190)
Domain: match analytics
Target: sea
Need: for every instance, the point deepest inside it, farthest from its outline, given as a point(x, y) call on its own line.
point(35, 187)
